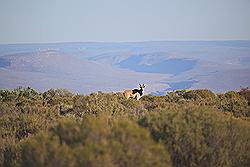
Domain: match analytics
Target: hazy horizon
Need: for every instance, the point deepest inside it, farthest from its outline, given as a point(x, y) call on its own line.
point(57, 21)
point(142, 41)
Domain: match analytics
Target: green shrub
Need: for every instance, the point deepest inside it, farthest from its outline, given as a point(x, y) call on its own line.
point(199, 136)
point(94, 142)
point(199, 96)
point(156, 102)
point(54, 97)
point(108, 103)
point(9, 152)
point(197, 128)
point(97, 103)
point(234, 103)
point(245, 92)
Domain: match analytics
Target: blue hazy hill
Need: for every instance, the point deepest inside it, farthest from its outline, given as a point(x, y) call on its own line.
point(92, 66)
point(171, 66)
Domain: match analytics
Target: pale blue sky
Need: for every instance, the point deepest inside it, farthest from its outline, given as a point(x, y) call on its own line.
point(23, 21)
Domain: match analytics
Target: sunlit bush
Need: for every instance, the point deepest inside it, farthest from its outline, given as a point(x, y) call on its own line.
point(200, 96)
point(234, 103)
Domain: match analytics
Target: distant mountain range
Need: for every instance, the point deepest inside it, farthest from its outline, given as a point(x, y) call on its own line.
point(110, 67)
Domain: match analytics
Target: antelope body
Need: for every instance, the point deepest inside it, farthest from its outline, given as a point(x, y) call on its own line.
point(135, 93)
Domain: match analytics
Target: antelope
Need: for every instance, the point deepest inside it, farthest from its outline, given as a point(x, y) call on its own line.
point(135, 93)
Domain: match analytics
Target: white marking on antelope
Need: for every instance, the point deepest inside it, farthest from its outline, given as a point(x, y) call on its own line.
point(135, 93)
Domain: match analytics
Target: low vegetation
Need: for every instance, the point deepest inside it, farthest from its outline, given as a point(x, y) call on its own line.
point(184, 128)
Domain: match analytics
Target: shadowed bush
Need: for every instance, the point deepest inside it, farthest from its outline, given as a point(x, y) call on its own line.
point(245, 92)
point(198, 136)
point(94, 142)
